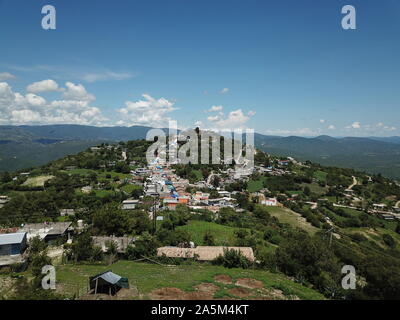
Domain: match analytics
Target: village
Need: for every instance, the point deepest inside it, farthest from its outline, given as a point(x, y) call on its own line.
point(162, 191)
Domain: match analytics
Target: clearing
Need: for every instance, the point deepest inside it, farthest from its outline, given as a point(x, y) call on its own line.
point(37, 181)
point(195, 281)
point(295, 219)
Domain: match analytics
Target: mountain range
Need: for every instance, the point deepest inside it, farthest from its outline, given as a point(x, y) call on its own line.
point(25, 146)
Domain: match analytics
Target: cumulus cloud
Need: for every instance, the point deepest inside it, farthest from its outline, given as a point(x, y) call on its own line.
point(77, 92)
point(148, 112)
point(322, 120)
point(331, 127)
point(354, 125)
point(6, 76)
point(43, 86)
point(234, 120)
point(224, 90)
point(17, 108)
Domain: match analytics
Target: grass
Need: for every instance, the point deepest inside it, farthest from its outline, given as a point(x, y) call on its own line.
point(37, 181)
point(223, 235)
point(320, 175)
point(285, 215)
point(198, 174)
point(130, 187)
point(315, 188)
point(256, 185)
point(147, 277)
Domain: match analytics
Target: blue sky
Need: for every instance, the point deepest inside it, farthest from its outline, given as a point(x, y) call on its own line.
point(279, 67)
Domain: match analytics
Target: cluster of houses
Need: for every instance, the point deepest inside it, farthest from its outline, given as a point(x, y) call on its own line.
point(14, 243)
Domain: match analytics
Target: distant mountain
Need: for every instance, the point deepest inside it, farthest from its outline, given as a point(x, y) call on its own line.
point(393, 139)
point(367, 154)
point(26, 146)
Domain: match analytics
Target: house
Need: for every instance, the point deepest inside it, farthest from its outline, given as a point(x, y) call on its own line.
point(47, 231)
point(67, 212)
point(201, 197)
point(379, 206)
point(3, 200)
point(271, 202)
point(129, 204)
point(87, 189)
point(12, 246)
point(202, 253)
point(170, 203)
point(388, 217)
point(283, 162)
point(224, 194)
point(12, 243)
point(107, 282)
point(222, 202)
point(121, 242)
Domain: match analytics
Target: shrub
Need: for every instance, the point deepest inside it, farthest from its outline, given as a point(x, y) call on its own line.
point(232, 259)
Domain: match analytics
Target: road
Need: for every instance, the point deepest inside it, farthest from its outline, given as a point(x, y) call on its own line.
point(353, 184)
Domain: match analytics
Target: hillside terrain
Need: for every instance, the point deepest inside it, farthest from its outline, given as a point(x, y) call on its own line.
point(303, 222)
point(27, 146)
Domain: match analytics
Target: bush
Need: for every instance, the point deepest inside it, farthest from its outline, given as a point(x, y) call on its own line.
point(232, 259)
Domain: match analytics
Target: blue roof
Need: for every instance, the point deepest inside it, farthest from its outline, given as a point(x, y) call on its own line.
point(11, 238)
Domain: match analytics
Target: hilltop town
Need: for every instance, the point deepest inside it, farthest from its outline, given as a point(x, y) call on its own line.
point(280, 230)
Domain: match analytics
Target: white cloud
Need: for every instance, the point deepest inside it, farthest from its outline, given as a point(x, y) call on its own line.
point(17, 108)
point(214, 109)
point(224, 90)
point(331, 127)
point(43, 86)
point(354, 125)
point(251, 113)
point(6, 76)
point(77, 92)
point(105, 76)
point(322, 120)
point(300, 132)
point(148, 112)
point(235, 120)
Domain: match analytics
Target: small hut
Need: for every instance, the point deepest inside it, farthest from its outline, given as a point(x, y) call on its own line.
point(108, 283)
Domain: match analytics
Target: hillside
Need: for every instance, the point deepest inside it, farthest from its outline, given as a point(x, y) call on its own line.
point(319, 219)
point(372, 155)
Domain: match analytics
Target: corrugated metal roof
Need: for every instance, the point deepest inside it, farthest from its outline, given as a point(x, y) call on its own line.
point(108, 276)
point(10, 238)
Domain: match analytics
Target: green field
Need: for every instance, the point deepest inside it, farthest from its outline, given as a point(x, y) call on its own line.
point(315, 188)
point(37, 181)
point(320, 175)
point(223, 235)
point(256, 185)
point(72, 279)
point(130, 187)
point(292, 218)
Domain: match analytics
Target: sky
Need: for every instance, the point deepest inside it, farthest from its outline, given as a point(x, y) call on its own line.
point(279, 67)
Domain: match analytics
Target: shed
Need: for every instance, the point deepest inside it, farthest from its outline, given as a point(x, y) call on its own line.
point(107, 282)
point(12, 243)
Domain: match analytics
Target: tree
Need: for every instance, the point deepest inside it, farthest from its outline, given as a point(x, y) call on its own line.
point(389, 241)
point(111, 220)
point(309, 259)
point(208, 239)
point(145, 246)
point(232, 259)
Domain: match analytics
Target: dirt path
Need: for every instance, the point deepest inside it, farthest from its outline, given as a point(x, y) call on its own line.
point(355, 182)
